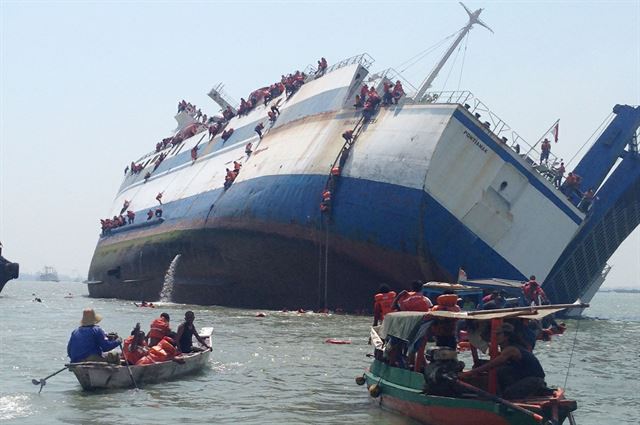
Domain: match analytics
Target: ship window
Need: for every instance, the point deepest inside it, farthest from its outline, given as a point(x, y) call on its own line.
point(503, 185)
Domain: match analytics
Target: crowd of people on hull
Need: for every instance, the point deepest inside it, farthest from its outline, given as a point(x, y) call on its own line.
point(127, 216)
point(90, 343)
point(519, 372)
point(369, 99)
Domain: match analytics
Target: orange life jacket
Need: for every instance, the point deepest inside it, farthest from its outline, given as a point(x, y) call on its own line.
point(133, 356)
point(415, 302)
point(162, 352)
point(445, 327)
point(159, 329)
point(383, 303)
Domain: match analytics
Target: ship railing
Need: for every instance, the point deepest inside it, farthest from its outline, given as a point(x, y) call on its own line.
point(492, 122)
point(362, 59)
point(393, 76)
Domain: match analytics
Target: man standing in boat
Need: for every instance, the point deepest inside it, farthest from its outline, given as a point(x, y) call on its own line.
point(90, 343)
point(185, 334)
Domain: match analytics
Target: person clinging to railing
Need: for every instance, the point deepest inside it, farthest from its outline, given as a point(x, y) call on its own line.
point(546, 150)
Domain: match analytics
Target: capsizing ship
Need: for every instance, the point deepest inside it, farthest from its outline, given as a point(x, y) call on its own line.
point(435, 183)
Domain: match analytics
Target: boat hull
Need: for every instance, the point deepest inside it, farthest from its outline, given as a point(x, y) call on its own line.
point(401, 391)
point(93, 375)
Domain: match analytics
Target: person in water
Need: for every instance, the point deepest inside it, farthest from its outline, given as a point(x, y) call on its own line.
point(89, 343)
point(185, 334)
point(519, 372)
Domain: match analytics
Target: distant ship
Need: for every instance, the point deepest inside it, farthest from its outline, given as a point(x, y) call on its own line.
point(48, 274)
point(418, 190)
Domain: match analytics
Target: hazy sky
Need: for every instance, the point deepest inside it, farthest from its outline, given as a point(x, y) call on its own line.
point(86, 87)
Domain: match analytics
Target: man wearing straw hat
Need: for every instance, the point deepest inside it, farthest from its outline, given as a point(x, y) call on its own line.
point(89, 343)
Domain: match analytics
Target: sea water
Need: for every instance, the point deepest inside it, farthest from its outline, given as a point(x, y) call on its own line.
point(276, 369)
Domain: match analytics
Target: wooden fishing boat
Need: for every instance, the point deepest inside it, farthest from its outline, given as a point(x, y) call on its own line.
point(431, 392)
point(97, 375)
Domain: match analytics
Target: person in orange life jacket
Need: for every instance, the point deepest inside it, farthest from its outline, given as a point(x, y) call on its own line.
point(412, 300)
point(546, 149)
point(165, 350)
point(134, 346)
point(248, 148)
point(158, 212)
point(444, 329)
point(398, 92)
point(160, 327)
point(383, 301)
point(159, 198)
point(520, 374)
point(149, 215)
point(272, 116)
point(533, 293)
point(347, 135)
point(236, 167)
point(185, 334)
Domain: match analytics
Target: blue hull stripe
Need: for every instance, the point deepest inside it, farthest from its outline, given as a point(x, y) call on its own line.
point(551, 194)
point(389, 216)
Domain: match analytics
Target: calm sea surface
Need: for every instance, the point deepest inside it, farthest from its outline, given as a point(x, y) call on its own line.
point(276, 369)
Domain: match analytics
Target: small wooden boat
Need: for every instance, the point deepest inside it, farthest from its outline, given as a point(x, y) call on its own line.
point(432, 393)
point(97, 375)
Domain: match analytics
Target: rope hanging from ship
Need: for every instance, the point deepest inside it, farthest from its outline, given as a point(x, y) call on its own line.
point(330, 186)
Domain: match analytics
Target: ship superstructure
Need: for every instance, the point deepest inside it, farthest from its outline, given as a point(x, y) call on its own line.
point(423, 188)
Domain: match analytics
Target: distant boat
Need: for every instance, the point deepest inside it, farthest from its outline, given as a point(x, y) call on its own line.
point(48, 274)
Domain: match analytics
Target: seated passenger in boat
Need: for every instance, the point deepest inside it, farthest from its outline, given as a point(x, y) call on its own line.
point(160, 328)
point(412, 300)
point(520, 374)
point(134, 346)
point(90, 343)
point(185, 334)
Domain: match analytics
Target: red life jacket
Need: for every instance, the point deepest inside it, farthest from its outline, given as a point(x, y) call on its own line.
point(383, 303)
point(133, 356)
point(159, 329)
point(415, 302)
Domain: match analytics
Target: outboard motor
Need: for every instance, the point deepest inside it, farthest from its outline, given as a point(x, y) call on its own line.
point(8, 271)
point(443, 361)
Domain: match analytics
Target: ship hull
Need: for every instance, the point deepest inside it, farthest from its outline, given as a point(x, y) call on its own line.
point(422, 191)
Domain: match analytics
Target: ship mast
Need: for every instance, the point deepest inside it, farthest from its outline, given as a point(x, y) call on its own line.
point(473, 19)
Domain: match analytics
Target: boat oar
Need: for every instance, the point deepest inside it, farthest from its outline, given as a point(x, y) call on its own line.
point(42, 382)
point(497, 399)
point(128, 367)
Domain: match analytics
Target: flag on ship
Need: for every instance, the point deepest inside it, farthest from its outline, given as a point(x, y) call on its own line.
point(555, 130)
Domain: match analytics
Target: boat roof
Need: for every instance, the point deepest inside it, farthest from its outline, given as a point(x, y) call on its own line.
point(401, 324)
point(494, 282)
point(449, 286)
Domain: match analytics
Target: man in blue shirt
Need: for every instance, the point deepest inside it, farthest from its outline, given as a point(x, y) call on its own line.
point(89, 343)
